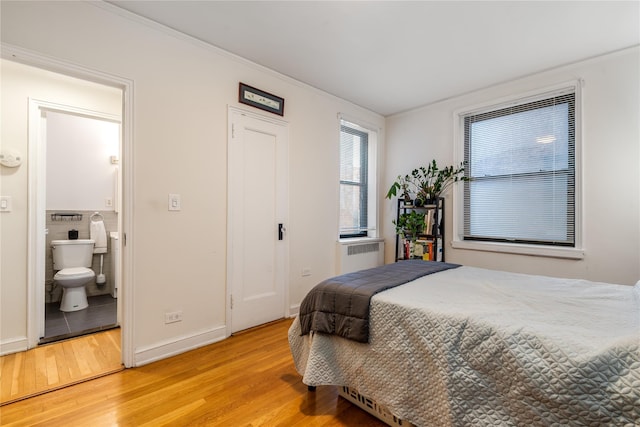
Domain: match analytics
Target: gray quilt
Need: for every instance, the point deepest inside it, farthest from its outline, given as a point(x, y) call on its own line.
point(340, 305)
point(476, 347)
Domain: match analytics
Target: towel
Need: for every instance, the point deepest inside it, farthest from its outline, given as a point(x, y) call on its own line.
point(98, 234)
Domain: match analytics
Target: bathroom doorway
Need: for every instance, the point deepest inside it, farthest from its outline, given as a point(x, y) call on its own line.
point(81, 189)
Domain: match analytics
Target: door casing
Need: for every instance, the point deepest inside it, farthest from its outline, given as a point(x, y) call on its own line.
point(125, 219)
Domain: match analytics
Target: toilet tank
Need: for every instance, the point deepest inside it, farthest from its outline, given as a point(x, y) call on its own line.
point(72, 253)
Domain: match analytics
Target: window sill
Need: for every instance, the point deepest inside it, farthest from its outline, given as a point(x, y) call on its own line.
point(551, 252)
point(351, 240)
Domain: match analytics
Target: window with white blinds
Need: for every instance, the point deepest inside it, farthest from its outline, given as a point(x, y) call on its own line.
point(357, 180)
point(354, 165)
point(521, 162)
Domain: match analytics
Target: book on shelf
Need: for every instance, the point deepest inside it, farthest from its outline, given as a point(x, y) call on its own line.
point(426, 249)
point(438, 255)
point(418, 249)
point(429, 221)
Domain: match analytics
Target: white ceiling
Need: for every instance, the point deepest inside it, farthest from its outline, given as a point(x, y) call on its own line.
point(392, 56)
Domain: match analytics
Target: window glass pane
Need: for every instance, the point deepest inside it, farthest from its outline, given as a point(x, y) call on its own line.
point(350, 157)
point(530, 141)
point(529, 209)
point(350, 213)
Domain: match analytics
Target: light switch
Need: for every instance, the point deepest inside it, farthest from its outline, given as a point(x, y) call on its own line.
point(5, 203)
point(174, 202)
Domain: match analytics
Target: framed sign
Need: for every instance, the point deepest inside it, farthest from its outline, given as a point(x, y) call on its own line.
point(261, 99)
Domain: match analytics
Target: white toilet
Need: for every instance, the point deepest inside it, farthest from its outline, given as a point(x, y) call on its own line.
point(72, 259)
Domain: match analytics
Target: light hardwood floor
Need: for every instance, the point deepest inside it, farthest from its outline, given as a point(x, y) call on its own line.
point(246, 380)
point(60, 364)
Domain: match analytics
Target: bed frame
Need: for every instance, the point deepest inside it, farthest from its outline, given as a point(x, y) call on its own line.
point(369, 405)
point(372, 407)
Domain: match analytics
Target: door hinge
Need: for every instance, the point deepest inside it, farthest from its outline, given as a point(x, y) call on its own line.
point(233, 130)
point(231, 302)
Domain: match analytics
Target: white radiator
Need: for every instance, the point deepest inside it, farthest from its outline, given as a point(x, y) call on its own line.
point(354, 256)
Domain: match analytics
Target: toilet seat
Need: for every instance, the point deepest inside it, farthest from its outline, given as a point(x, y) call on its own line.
point(74, 273)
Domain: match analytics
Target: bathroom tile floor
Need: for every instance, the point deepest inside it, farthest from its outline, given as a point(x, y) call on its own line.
point(100, 315)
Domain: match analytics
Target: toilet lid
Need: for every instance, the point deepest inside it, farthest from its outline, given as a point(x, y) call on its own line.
point(74, 272)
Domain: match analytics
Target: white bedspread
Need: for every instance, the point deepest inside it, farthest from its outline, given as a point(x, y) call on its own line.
point(471, 346)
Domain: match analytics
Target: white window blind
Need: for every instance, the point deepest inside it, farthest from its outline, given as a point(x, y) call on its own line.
point(353, 181)
point(521, 161)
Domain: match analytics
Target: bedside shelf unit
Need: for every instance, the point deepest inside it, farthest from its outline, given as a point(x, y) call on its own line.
point(432, 238)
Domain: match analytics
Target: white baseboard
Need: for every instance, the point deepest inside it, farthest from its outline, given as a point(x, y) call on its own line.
point(14, 345)
point(177, 346)
point(294, 310)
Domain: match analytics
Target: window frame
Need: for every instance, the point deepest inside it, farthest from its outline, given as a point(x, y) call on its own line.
point(369, 174)
point(539, 249)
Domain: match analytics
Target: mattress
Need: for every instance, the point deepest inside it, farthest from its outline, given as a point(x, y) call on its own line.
point(472, 346)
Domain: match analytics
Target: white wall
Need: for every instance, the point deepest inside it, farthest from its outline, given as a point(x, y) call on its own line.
point(181, 93)
point(18, 84)
point(611, 154)
point(80, 174)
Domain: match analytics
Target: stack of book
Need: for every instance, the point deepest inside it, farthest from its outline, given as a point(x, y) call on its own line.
point(427, 249)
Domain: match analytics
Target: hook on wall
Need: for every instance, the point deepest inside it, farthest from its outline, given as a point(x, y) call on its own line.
point(96, 216)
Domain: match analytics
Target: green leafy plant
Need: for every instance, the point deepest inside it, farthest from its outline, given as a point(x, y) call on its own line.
point(410, 224)
point(427, 183)
point(402, 183)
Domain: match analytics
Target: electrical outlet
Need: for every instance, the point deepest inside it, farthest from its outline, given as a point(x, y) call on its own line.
point(108, 202)
point(172, 317)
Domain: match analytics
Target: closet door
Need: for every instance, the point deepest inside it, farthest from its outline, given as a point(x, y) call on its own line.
point(257, 219)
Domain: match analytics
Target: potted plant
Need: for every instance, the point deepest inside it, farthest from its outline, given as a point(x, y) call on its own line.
point(427, 183)
point(410, 224)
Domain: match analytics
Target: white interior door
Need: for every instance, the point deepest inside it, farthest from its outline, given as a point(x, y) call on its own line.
point(257, 219)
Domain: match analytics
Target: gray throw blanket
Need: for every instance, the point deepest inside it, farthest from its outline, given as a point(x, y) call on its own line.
point(340, 305)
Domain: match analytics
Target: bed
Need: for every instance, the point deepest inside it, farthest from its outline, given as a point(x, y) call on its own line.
point(471, 346)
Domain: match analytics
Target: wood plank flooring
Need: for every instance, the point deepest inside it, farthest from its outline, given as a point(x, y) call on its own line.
point(246, 380)
point(56, 365)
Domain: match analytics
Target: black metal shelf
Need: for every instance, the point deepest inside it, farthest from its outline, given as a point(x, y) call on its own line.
point(435, 209)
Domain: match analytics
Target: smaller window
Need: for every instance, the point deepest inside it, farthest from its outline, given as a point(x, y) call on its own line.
point(356, 184)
